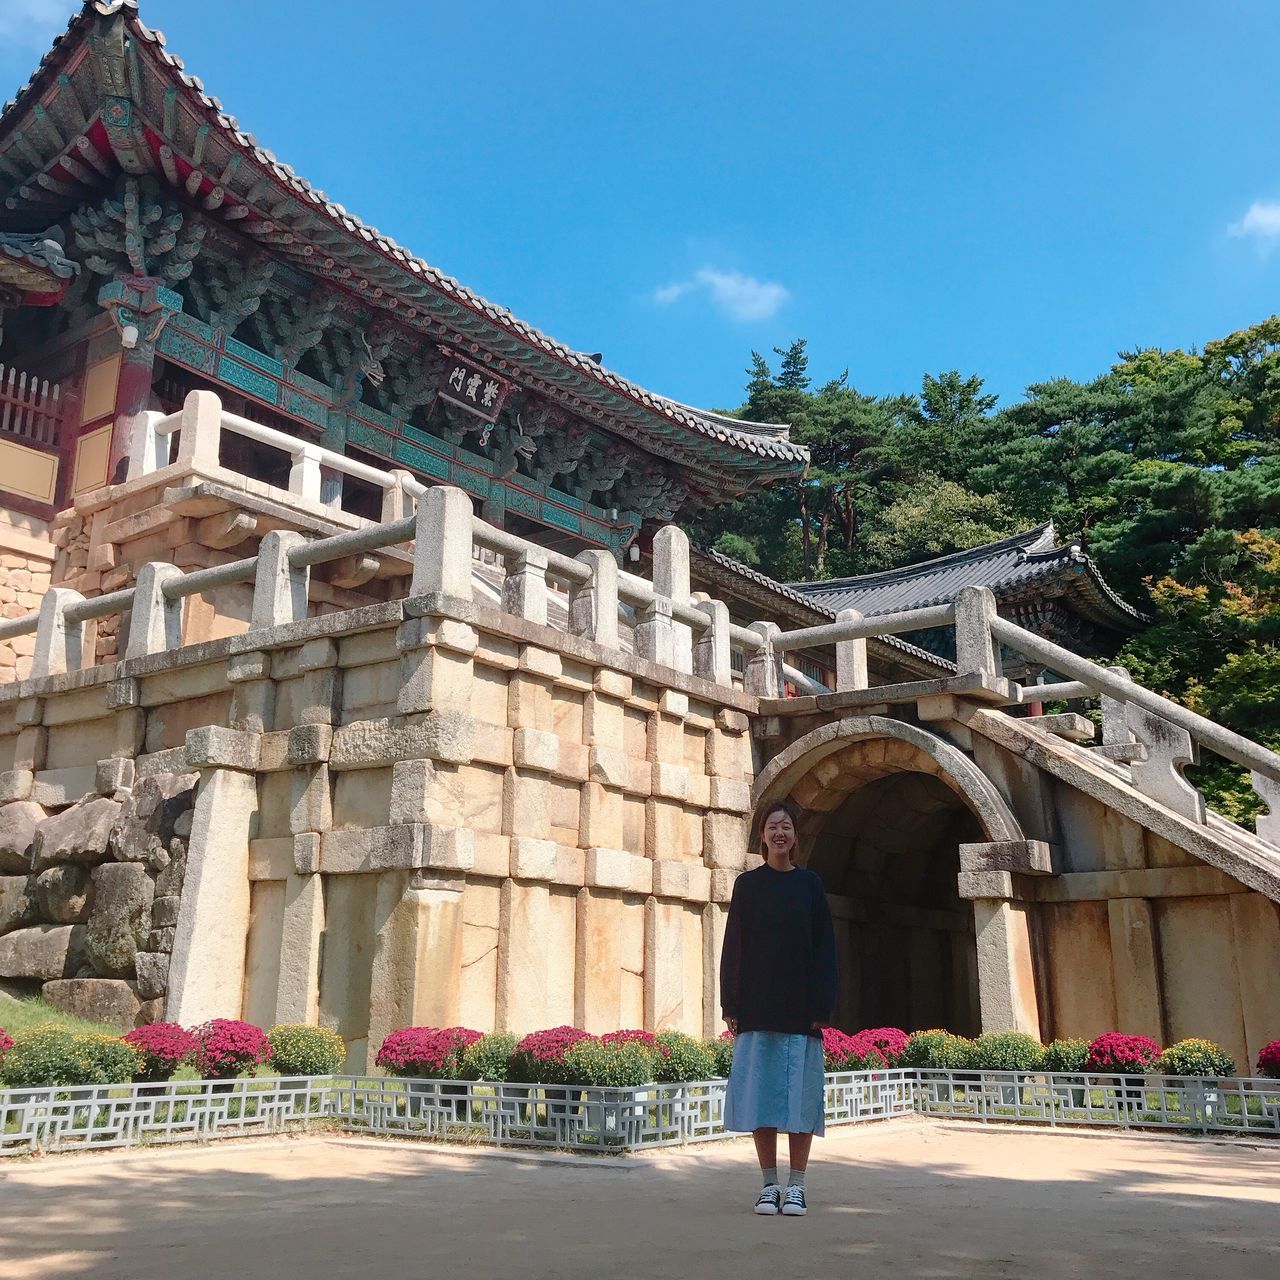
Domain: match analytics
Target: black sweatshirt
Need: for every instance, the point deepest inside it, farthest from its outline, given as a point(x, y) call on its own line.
point(778, 964)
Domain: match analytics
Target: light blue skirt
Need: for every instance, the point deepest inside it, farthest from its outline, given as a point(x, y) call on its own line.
point(776, 1082)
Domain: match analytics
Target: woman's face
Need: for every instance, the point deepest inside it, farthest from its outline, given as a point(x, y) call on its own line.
point(779, 834)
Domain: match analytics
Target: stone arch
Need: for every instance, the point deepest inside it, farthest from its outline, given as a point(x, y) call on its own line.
point(886, 807)
point(905, 747)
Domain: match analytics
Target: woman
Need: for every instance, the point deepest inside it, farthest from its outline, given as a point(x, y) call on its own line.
point(777, 992)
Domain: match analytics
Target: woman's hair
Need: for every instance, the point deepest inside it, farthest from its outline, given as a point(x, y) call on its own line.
point(785, 805)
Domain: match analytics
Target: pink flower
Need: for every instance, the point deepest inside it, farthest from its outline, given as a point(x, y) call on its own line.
point(164, 1047)
point(1268, 1059)
point(1117, 1053)
point(226, 1047)
point(646, 1038)
point(426, 1052)
point(6, 1043)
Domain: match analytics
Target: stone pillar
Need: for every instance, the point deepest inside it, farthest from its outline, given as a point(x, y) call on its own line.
point(977, 650)
point(155, 621)
point(598, 962)
point(593, 605)
point(711, 654)
point(764, 666)
point(417, 959)
point(279, 590)
point(671, 582)
point(206, 973)
point(298, 990)
point(851, 656)
point(663, 964)
point(1006, 970)
point(1136, 965)
point(524, 962)
point(442, 544)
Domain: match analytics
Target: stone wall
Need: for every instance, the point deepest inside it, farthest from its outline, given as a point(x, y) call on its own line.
point(26, 563)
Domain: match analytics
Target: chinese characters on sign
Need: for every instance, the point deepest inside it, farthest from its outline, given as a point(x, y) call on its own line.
point(474, 388)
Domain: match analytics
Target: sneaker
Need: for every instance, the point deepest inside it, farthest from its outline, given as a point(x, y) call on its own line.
point(794, 1206)
point(770, 1199)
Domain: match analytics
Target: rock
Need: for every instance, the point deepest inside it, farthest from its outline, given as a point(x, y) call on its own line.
point(43, 951)
point(63, 893)
point(18, 822)
point(151, 1011)
point(153, 974)
point(78, 834)
point(161, 939)
point(99, 999)
point(156, 807)
point(170, 877)
point(17, 903)
point(164, 911)
point(121, 917)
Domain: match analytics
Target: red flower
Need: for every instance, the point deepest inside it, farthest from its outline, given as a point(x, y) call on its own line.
point(226, 1047)
point(646, 1038)
point(6, 1043)
point(164, 1047)
point(425, 1052)
point(1268, 1059)
point(1116, 1053)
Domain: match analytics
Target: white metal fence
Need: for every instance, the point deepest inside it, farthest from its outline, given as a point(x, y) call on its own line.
point(576, 1118)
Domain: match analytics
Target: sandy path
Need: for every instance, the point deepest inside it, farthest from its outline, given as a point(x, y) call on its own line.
point(907, 1200)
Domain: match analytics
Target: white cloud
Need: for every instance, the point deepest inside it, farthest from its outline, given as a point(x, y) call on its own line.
point(1260, 223)
point(33, 23)
point(740, 297)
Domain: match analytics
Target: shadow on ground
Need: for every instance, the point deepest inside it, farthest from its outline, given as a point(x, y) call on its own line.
point(908, 1199)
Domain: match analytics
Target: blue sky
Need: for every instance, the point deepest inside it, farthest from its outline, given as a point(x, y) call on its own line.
point(1012, 190)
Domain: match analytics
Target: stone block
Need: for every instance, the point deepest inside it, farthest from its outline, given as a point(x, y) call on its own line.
point(309, 744)
point(30, 747)
point(722, 882)
point(732, 721)
point(112, 776)
point(15, 784)
point(153, 973)
point(63, 893)
point(214, 747)
point(18, 822)
point(1025, 857)
point(672, 879)
point(445, 848)
point(610, 868)
point(670, 781)
point(397, 848)
point(724, 840)
point(311, 801)
point(985, 884)
point(541, 662)
point(169, 878)
point(671, 702)
point(315, 655)
point(164, 911)
point(1067, 724)
point(533, 859)
point(18, 904)
point(156, 811)
point(120, 922)
point(28, 711)
point(613, 683)
point(54, 788)
point(109, 1000)
point(609, 766)
point(79, 834)
point(373, 744)
point(248, 666)
point(269, 859)
point(123, 693)
point(306, 853)
point(535, 749)
point(726, 793)
point(43, 951)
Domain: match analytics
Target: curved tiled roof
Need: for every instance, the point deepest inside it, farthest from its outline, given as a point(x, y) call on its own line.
point(767, 441)
point(42, 252)
point(1025, 560)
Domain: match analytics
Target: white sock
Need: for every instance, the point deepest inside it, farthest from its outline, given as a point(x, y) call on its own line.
point(770, 1176)
point(796, 1178)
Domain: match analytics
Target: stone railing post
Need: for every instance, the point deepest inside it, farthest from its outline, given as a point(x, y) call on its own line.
point(442, 544)
point(1167, 750)
point(148, 450)
point(397, 503)
point(671, 580)
point(851, 656)
point(1267, 824)
point(201, 430)
point(524, 592)
point(711, 657)
point(977, 650)
point(1117, 737)
point(59, 643)
point(764, 666)
point(305, 478)
point(593, 605)
point(279, 590)
point(655, 633)
point(155, 622)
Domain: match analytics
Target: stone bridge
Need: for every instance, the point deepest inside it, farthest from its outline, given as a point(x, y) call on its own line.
point(524, 805)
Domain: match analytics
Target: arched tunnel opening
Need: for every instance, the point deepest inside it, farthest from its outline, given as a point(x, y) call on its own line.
point(888, 855)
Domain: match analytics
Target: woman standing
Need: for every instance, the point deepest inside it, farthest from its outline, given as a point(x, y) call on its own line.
point(777, 992)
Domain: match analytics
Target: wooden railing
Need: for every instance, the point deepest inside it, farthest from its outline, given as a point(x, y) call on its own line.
point(29, 406)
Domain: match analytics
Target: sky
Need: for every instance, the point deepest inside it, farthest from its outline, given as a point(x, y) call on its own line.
point(1013, 190)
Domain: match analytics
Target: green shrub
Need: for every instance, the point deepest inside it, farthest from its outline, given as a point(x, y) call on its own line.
point(619, 1065)
point(722, 1049)
point(1196, 1058)
point(1066, 1055)
point(49, 1055)
point(489, 1058)
point(1008, 1051)
point(684, 1059)
point(938, 1050)
point(300, 1050)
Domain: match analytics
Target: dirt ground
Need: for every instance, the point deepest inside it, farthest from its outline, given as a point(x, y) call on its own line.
point(912, 1199)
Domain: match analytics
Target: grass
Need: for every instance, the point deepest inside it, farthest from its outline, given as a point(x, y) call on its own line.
point(22, 1015)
